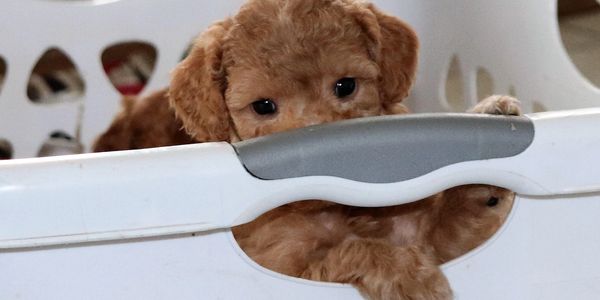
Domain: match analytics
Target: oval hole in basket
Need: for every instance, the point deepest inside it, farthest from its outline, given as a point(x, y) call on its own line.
point(3, 68)
point(187, 51)
point(580, 31)
point(538, 107)
point(55, 79)
point(129, 65)
point(454, 88)
point(485, 83)
point(512, 91)
point(6, 149)
point(285, 231)
point(189, 47)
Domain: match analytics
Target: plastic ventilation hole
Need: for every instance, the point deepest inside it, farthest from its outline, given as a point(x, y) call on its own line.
point(512, 91)
point(485, 83)
point(497, 207)
point(189, 48)
point(538, 107)
point(55, 79)
point(2, 72)
point(454, 89)
point(580, 31)
point(187, 51)
point(6, 149)
point(129, 65)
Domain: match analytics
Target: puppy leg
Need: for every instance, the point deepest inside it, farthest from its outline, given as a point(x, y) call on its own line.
point(382, 271)
point(498, 105)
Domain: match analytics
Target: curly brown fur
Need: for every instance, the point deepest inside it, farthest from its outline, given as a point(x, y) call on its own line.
point(388, 252)
point(293, 52)
point(143, 123)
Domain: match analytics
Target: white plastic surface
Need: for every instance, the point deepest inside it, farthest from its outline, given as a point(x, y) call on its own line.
point(207, 266)
point(517, 42)
point(189, 188)
point(545, 251)
point(548, 249)
point(83, 29)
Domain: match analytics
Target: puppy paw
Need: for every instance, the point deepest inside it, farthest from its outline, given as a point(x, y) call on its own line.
point(381, 271)
point(436, 287)
point(498, 105)
point(418, 277)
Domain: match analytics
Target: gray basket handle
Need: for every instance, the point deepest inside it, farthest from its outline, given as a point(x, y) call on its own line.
point(385, 149)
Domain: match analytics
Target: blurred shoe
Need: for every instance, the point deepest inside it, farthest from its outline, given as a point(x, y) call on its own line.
point(60, 143)
point(6, 150)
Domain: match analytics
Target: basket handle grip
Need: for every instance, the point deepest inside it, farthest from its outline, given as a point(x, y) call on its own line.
point(385, 149)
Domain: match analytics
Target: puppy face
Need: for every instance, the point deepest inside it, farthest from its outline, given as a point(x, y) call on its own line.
point(298, 69)
point(279, 65)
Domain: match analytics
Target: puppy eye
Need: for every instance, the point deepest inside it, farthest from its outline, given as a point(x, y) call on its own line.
point(344, 87)
point(264, 106)
point(493, 201)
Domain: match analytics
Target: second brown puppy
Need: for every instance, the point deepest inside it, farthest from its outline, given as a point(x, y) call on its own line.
point(279, 65)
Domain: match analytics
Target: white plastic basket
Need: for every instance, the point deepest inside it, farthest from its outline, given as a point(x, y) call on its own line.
point(547, 249)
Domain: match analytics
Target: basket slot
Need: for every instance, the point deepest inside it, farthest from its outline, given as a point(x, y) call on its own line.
point(129, 65)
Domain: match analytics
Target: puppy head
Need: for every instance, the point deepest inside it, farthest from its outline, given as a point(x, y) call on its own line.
point(279, 65)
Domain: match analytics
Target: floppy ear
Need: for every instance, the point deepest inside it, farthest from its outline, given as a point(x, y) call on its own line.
point(197, 87)
point(394, 46)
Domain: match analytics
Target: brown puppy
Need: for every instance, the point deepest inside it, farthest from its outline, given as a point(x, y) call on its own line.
point(279, 65)
point(287, 54)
